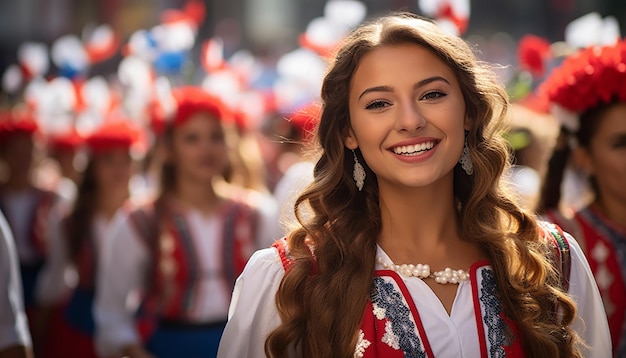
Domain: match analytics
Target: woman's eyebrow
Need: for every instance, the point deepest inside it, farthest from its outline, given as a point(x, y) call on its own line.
point(419, 84)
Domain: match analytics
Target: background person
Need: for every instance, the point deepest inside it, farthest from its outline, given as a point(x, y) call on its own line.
point(590, 93)
point(182, 251)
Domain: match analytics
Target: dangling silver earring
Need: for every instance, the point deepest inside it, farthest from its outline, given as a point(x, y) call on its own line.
point(466, 160)
point(359, 172)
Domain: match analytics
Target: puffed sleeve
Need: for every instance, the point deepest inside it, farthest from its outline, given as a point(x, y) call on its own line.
point(252, 314)
point(121, 275)
point(13, 323)
point(591, 324)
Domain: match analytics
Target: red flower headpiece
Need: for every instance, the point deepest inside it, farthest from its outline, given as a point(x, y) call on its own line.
point(592, 76)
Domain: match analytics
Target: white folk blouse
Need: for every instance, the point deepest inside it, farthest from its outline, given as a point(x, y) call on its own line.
point(253, 314)
point(125, 264)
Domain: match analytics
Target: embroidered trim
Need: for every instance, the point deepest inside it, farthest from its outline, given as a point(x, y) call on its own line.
point(562, 254)
point(385, 295)
point(389, 337)
point(497, 330)
point(361, 345)
point(379, 312)
point(283, 253)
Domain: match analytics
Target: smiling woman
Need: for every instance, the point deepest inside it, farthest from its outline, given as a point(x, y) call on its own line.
point(423, 254)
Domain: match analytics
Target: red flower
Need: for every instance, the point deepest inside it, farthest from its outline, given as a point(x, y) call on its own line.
point(533, 51)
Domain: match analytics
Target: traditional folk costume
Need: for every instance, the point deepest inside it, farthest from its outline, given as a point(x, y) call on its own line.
point(185, 265)
point(605, 243)
point(27, 212)
point(404, 318)
point(586, 81)
point(71, 326)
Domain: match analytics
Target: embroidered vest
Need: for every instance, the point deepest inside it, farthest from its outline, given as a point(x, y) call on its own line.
point(606, 252)
point(175, 271)
point(391, 325)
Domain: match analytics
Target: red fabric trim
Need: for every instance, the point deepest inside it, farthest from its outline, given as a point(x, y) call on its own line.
point(409, 300)
point(286, 259)
point(283, 253)
point(478, 312)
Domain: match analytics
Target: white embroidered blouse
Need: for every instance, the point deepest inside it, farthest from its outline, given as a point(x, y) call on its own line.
point(253, 314)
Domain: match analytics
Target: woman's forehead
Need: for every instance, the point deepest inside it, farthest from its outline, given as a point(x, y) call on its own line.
point(385, 64)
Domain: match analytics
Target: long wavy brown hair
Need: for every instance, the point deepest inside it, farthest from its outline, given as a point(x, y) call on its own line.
point(321, 302)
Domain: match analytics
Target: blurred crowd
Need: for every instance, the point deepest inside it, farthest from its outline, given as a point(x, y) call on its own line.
point(131, 202)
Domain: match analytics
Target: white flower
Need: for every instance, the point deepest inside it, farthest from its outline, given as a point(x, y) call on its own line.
point(361, 345)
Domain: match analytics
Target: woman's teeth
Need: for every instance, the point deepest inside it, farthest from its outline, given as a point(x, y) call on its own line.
point(414, 149)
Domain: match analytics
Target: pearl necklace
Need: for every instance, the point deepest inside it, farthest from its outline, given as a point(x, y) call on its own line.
point(423, 271)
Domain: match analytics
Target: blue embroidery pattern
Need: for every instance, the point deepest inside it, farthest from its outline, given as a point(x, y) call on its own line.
point(398, 313)
point(497, 330)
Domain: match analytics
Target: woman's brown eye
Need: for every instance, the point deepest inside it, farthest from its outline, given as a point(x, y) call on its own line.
point(378, 104)
point(433, 95)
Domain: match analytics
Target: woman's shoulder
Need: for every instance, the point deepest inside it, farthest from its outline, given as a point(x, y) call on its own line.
point(263, 262)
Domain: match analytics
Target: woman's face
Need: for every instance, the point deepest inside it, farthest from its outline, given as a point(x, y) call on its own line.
point(199, 150)
point(407, 115)
point(113, 169)
point(606, 155)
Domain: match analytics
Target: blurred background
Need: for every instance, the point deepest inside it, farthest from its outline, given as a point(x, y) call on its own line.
point(271, 27)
